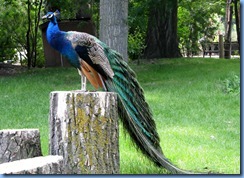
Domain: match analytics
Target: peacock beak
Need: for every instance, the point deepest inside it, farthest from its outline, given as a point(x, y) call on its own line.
point(44, 17)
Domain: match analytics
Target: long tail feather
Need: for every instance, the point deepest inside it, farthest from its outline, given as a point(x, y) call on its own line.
point(135, 112)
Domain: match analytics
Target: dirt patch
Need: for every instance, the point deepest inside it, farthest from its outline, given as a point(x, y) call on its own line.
point(9, 69)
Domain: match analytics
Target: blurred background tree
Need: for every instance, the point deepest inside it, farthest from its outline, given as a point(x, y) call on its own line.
point(12, 38)
point(19, 35)
point(196, 20)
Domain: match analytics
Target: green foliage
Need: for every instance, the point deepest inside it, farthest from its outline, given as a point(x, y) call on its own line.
point(231, 84)
point(12, 31)
point(138, 15)
point(137, 22)
point(69, 8)
point(33, 35)
point(6, 53)
point(136, 44)
point(197, 19)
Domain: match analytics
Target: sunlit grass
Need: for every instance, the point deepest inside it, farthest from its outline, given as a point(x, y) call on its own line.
point(198, 122)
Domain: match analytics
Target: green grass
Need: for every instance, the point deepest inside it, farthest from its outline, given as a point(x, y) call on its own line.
point(197, 120)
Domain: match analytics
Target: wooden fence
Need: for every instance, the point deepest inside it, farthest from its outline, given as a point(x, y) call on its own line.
point(218, 48)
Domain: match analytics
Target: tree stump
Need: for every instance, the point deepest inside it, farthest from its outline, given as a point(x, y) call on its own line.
point(38, 165)
point(19, 144)
point(84, 130)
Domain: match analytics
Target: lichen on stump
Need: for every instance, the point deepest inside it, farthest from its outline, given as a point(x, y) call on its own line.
point(84, 130)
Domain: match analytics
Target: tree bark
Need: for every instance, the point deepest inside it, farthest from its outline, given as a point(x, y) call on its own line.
point(113, 25)
point(228, 27)
point(237, 18)
point(38, 165)
point(28, 33)
point(84, 130)
point(221, 47)
point(161, 38)
point(19, 144)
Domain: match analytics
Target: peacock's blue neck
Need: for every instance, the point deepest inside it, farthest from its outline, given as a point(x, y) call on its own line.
point(53, 33)
point(57, 39)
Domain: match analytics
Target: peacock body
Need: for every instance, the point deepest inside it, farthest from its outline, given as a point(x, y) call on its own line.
point(105, 68)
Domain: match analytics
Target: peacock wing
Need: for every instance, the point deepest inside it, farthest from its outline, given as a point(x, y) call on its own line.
point(90, 51)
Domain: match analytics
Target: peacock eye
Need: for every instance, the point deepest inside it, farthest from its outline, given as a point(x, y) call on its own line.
point(50, 16)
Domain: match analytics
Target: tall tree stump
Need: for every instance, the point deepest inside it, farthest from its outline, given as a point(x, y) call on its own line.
point(84, 130)
point(19, 144)
point(38, 165)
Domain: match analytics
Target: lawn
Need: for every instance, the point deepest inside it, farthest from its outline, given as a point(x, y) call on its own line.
point(195, 102)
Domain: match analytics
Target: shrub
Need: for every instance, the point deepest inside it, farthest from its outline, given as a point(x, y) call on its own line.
point(232, 84)
point(136, 44)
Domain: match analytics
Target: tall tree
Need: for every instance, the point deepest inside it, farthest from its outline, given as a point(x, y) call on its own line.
point(113, 25)
point(228, 28)
point(237, 18)
point(32, 31)
point(161, 38)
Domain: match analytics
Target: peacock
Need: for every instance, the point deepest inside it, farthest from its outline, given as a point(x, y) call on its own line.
point(105, 68)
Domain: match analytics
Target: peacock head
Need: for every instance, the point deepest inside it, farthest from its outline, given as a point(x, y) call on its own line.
point(51, 15)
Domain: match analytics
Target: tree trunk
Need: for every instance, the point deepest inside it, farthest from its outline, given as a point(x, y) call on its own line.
point(84, 130)
point(19, 144)
point(38, 7)
point(113, 25)
point(237, 17)
point(37, 165)
point(228, 27)
point(221, 47)
point(161, 39)
point(28, 33)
